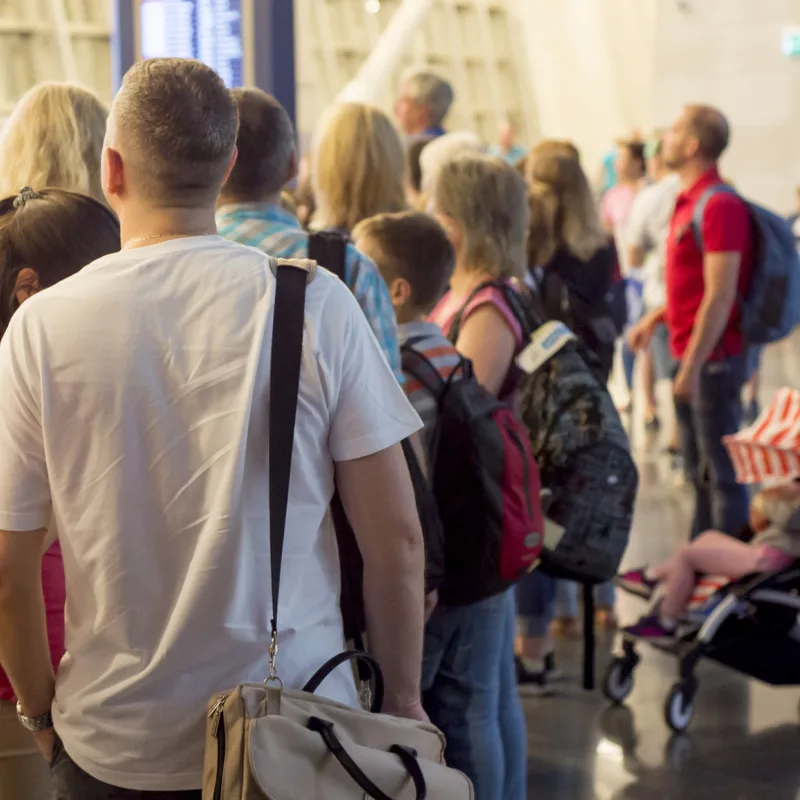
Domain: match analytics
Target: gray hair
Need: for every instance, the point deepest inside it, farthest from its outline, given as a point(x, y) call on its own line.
point(445, 149)
point(431, 90)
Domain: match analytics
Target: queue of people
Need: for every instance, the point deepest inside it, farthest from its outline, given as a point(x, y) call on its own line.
point(137, 310)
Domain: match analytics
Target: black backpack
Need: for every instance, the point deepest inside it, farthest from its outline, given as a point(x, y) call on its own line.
point(329, 250)
point(485, 481)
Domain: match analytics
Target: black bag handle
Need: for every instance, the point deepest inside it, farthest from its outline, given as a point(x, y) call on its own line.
point(315, 681)
point(287, 350)
point(407, 756)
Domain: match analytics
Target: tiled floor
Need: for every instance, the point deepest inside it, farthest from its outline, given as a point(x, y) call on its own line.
point(744, 740)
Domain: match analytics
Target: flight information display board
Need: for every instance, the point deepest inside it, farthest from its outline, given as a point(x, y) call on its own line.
point(208, 30)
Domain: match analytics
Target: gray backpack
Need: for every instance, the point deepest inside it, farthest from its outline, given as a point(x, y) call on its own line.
point(580, 446)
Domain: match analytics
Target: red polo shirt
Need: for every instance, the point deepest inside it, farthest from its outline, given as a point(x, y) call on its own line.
point(726, 229)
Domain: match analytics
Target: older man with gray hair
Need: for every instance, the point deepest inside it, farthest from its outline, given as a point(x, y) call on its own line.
point(422, 103)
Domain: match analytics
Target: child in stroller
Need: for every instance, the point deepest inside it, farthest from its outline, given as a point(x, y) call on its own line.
point(775, 544)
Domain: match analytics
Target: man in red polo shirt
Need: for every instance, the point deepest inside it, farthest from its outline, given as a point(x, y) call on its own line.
point(703, 280)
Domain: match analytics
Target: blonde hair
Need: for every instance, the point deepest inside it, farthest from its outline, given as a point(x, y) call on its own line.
point(359, 167)
point(554, 167)
point(488, 198)
point(54, 138)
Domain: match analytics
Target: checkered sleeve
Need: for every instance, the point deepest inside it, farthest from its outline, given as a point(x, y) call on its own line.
point(369, 288)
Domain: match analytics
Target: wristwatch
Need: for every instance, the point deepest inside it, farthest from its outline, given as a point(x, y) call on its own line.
point(35, 724)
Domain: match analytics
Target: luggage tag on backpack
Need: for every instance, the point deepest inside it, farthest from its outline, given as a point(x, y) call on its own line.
point(546, 341)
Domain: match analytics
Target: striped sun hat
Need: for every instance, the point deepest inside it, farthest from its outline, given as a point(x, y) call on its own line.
point(769, 450)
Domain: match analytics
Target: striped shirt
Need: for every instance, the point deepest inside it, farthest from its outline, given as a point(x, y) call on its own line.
point(278, 233)
point(428, 339)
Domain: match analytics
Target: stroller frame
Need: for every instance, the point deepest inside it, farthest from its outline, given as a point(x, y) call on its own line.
point(760, 609)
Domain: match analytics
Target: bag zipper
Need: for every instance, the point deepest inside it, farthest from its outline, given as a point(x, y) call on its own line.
point(216, 715)
point(526, 470)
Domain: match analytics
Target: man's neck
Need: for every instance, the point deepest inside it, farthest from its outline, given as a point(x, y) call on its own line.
point(233, 200)
point(142, 227)
point(692, 171)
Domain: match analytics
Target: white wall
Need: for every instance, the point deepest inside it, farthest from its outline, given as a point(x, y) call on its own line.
point(727, 53)
point(592, 68)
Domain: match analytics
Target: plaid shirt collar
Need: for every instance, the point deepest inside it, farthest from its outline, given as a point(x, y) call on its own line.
point(266, 212)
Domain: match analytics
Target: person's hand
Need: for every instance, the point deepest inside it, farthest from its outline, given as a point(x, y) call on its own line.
point(407, 710)
point(45, 741)
point(431, 601)
point(686, 385)
point(640, 334)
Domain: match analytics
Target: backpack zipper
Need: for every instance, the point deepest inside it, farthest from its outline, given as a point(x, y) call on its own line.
point(525, 470)
point(216, 715)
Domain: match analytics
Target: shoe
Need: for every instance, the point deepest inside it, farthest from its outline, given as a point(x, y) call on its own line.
point(535, 683)
point(651, 629)
point(551, 670)
point(636, 582)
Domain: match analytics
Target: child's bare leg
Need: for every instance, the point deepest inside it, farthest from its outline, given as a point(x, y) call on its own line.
point(712, 553)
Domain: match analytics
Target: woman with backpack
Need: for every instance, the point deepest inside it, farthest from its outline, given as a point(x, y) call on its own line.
point(481, 203)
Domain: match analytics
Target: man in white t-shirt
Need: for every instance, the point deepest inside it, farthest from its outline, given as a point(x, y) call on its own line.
point(134, 402)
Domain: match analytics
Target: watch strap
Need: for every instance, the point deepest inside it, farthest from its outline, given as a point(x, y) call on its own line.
point(35, 724)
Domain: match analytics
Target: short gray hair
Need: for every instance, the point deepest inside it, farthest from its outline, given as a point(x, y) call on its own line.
point(432, 90)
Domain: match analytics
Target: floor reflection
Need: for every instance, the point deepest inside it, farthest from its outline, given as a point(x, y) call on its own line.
point(744, 739)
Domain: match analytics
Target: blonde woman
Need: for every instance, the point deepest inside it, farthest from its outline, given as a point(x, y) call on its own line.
point(469, 677)
point(54, 138)
point(359, 167)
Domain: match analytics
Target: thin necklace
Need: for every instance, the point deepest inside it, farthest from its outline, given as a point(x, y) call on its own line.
point(131, 243)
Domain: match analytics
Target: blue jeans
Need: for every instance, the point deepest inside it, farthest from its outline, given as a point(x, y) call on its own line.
point(469, 689)
point(539, 595)
point(720, 502)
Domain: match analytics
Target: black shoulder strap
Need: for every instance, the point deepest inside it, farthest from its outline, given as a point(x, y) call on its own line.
point(287, 349)
point(524, 310)
point(329, 250)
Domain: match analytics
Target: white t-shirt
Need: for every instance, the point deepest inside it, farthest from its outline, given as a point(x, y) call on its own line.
point(647, 229)
point(134, 396)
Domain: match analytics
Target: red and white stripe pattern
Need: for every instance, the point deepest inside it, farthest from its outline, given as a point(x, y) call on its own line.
point(769, 450)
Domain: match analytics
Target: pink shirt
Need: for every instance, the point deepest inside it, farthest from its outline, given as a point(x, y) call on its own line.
point(54, 589)
point(448, 308)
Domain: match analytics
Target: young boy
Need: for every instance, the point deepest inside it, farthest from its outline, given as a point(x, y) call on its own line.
point(416, 260)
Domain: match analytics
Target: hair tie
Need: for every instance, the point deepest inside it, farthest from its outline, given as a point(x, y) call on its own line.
point(26, 194)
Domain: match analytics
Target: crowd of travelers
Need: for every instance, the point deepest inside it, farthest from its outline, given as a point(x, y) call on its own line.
point(137, 314)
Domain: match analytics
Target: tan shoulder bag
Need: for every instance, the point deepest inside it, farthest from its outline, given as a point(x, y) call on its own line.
point(264, 742)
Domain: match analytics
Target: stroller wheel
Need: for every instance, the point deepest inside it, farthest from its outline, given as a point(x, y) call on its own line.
point(679, 708)
point(618, 682)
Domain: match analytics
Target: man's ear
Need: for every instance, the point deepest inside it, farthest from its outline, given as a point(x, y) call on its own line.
point(400, 292)
point(231, 164)
point(113, 173)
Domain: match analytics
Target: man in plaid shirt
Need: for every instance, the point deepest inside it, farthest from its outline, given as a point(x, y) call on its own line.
point(249, 211)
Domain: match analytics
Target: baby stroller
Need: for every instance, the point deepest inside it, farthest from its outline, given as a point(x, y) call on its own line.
point(751, 625)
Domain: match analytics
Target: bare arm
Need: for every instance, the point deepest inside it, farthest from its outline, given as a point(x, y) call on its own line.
point(721, 275)
point(488, 342)
point(24, 651)
point(379, 500)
